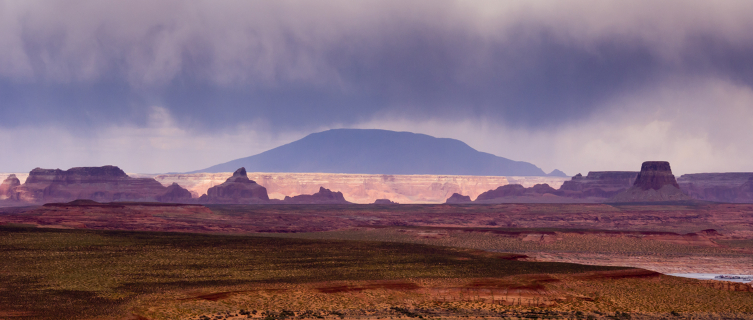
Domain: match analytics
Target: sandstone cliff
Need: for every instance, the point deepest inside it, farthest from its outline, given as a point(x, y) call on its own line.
point(598, 185)
point(8, 186)
point(324, 196)
point(719, 187)
point(655, 182)
point(362, 188)
point(238, 189)
point(105, 184)
point(515, 193)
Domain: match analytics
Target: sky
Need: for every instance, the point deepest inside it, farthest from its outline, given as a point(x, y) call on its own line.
point(173, 86)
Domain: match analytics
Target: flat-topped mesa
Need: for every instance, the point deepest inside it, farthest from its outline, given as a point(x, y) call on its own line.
point(654, 183)
point(384, 202)
point(104, 184)
point(238, 189)
point(655, 175)
point(324, 196)
point(76, 175)
point(6, 188)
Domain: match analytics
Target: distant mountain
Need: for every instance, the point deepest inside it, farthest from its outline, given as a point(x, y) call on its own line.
point(372, 151)
point(557, 173)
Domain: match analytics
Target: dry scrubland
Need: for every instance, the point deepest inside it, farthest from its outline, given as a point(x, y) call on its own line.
point(373, 262)
point(68, 274)
point(661, 253)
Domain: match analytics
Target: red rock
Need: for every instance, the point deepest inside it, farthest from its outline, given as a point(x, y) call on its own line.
point(104, 184)
point(655, 175)
point(175, 194)
point(655, 182)
point(735, 187)
point(516, 190)
point(458, 198)
point(510, 190)
point(238, 189)
point(324, 196)
point(598, 184)
point(8, 186)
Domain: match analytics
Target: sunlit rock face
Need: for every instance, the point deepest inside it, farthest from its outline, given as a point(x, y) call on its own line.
point(362, 188)
point(655, 182)
point(8, 186)
point(237, 189)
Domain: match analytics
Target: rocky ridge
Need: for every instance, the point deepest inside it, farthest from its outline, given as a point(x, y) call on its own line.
point(104, 184)
point(735, 187)
point(324, 196)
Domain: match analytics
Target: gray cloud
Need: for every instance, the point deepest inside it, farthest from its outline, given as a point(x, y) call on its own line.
point(292, 67)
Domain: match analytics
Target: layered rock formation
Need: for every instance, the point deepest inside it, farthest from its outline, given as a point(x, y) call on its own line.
point(515, 193)
point(324, 196)
point(106, 184)
point(598, 185)
point(458, 198)
point(655, 182)
point(736, 187)
point(8, 186)
point(362, 188)
point(238, 189)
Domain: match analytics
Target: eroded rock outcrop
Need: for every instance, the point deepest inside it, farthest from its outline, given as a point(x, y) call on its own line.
point(655, 182)
point(458, 198)
point(8, 186)
point(324, 196)
point(384, 201)
point(238, 189)
point(175, 194)
point(104, 184)
point(598, 185)
point(735, 187)
point(361, 188)
point(517, 193)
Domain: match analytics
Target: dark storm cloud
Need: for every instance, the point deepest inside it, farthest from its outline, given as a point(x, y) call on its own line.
point(220, 64)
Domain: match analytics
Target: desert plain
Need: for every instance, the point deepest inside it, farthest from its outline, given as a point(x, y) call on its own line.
point(127, 260)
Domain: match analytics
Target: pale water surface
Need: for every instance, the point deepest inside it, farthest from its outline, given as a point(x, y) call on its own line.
point(712, 276)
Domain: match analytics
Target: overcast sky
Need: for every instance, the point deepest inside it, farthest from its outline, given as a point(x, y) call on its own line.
point(160, 86)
